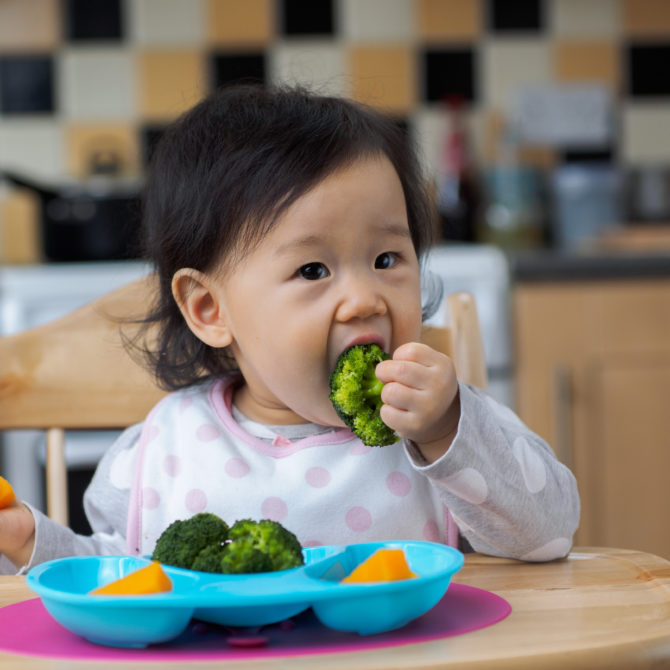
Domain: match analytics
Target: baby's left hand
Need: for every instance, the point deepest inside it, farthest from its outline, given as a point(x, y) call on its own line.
point(420, 397)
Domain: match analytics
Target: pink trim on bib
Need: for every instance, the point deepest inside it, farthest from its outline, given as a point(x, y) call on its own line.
point(134, 525)
point(221, 399)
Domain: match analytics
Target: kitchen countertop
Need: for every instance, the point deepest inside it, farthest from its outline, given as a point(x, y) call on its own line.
point(553, 266)
point(633, 251)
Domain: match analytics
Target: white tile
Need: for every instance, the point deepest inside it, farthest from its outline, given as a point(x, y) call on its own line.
point(97, 84)
point(509, 64)
point(585, 18)
point(645, 131)
point(317, 65)
point(430, 125)
point(377, 20)
point(167, 22)
point(32, 146)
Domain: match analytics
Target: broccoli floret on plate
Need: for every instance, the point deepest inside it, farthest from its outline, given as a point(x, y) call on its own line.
point(182, 541)
point(209, 559)
point(355, 393)
point(241, 556)
point(263, 545)
point(206, 543)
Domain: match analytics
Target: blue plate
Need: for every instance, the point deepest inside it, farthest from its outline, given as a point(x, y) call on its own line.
point(243, 600)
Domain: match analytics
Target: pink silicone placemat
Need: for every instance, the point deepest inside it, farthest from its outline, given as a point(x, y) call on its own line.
point(30, 630)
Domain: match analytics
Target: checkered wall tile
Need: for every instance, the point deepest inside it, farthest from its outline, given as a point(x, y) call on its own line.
point(77, 73)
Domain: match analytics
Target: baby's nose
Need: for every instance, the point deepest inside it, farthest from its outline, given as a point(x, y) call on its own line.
point(360, 301)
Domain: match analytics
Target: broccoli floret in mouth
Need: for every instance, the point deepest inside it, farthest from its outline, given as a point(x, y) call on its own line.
point(355, 393)
point(205, 542)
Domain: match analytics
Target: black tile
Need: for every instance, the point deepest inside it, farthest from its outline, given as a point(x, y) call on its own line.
point(237, 67)
point(647, 70)
point(26, 84)
point(307, 17)
point(515, 15)
point(598, 155)
point(449, 73)
point(94, 19)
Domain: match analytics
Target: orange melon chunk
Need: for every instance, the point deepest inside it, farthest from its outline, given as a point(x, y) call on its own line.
point(150, 579)
point(6, 493)
point(385, 565)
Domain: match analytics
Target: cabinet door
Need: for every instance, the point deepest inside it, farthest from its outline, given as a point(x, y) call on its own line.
point(593, 379)
point(630, 467)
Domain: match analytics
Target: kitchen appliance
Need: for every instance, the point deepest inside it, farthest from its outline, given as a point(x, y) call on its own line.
point(649, 194)
point(88, 220)
point(588, 201)
point(482, 270)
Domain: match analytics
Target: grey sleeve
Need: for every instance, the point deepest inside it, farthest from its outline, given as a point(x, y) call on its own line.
point(106, 506)
point(507, 492)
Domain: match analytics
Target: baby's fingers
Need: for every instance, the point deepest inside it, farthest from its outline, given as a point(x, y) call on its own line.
point(408, 373)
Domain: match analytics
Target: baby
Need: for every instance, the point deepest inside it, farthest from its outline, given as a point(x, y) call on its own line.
point(285, 227)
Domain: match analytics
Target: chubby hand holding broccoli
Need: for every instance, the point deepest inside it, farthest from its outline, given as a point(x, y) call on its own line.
point(413, 394)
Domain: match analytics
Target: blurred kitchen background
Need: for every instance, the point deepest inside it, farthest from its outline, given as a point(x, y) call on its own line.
point(543, 125)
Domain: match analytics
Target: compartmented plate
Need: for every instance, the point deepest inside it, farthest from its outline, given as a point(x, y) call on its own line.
point(243, 600)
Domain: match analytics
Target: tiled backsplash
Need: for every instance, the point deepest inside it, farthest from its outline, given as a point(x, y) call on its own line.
point(78, 75)
point(74, 70)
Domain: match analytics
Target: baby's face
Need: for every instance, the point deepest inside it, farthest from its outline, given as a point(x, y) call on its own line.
point(338, 269)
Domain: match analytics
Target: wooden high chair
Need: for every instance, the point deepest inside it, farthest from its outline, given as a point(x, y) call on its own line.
point(75, 373)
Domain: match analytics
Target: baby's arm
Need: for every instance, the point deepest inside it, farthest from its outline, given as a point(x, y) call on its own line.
point(508, 493)
point(106, 507)
point(17, 533)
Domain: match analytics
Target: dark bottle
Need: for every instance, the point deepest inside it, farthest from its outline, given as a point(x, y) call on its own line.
point(457, 195)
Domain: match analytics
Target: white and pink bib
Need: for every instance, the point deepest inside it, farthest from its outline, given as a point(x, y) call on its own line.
point(327, 488)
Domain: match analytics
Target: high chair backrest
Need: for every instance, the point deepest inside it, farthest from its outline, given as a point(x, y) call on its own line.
point(76, 372)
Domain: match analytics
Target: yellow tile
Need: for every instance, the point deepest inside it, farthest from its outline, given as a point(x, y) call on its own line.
point(451, 20)
point(384, 77)
point(642, 18)
point(170, 82)
point(588, 61)
point(540, 157)
point(29, 24)
point(240, 22)
point(20, 238)
point(86, 142)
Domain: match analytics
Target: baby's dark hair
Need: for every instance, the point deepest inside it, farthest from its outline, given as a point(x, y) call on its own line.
point(221, 175)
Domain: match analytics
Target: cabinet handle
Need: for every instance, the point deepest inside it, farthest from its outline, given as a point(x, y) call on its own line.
point(563, 414)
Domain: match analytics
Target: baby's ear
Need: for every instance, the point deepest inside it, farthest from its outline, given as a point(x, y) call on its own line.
point(200, 304)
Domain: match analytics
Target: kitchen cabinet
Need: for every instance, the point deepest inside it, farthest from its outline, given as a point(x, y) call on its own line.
point(592, 364)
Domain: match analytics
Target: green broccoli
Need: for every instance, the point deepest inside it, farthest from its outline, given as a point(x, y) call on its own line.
point(269, 538)
point(242, 556)
point(206, 543)
point(355, 393)
point(182, 541)
point(209, 559)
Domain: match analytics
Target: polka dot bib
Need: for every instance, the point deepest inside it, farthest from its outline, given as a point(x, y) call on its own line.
point(328, 488)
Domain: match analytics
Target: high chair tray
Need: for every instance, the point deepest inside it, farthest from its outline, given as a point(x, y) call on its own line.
point(243, 600)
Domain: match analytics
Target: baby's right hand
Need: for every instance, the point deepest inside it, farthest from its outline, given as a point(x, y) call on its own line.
point(17, 533)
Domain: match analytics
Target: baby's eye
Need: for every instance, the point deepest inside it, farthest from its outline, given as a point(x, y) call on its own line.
point(313, 271)
point(385, 261)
